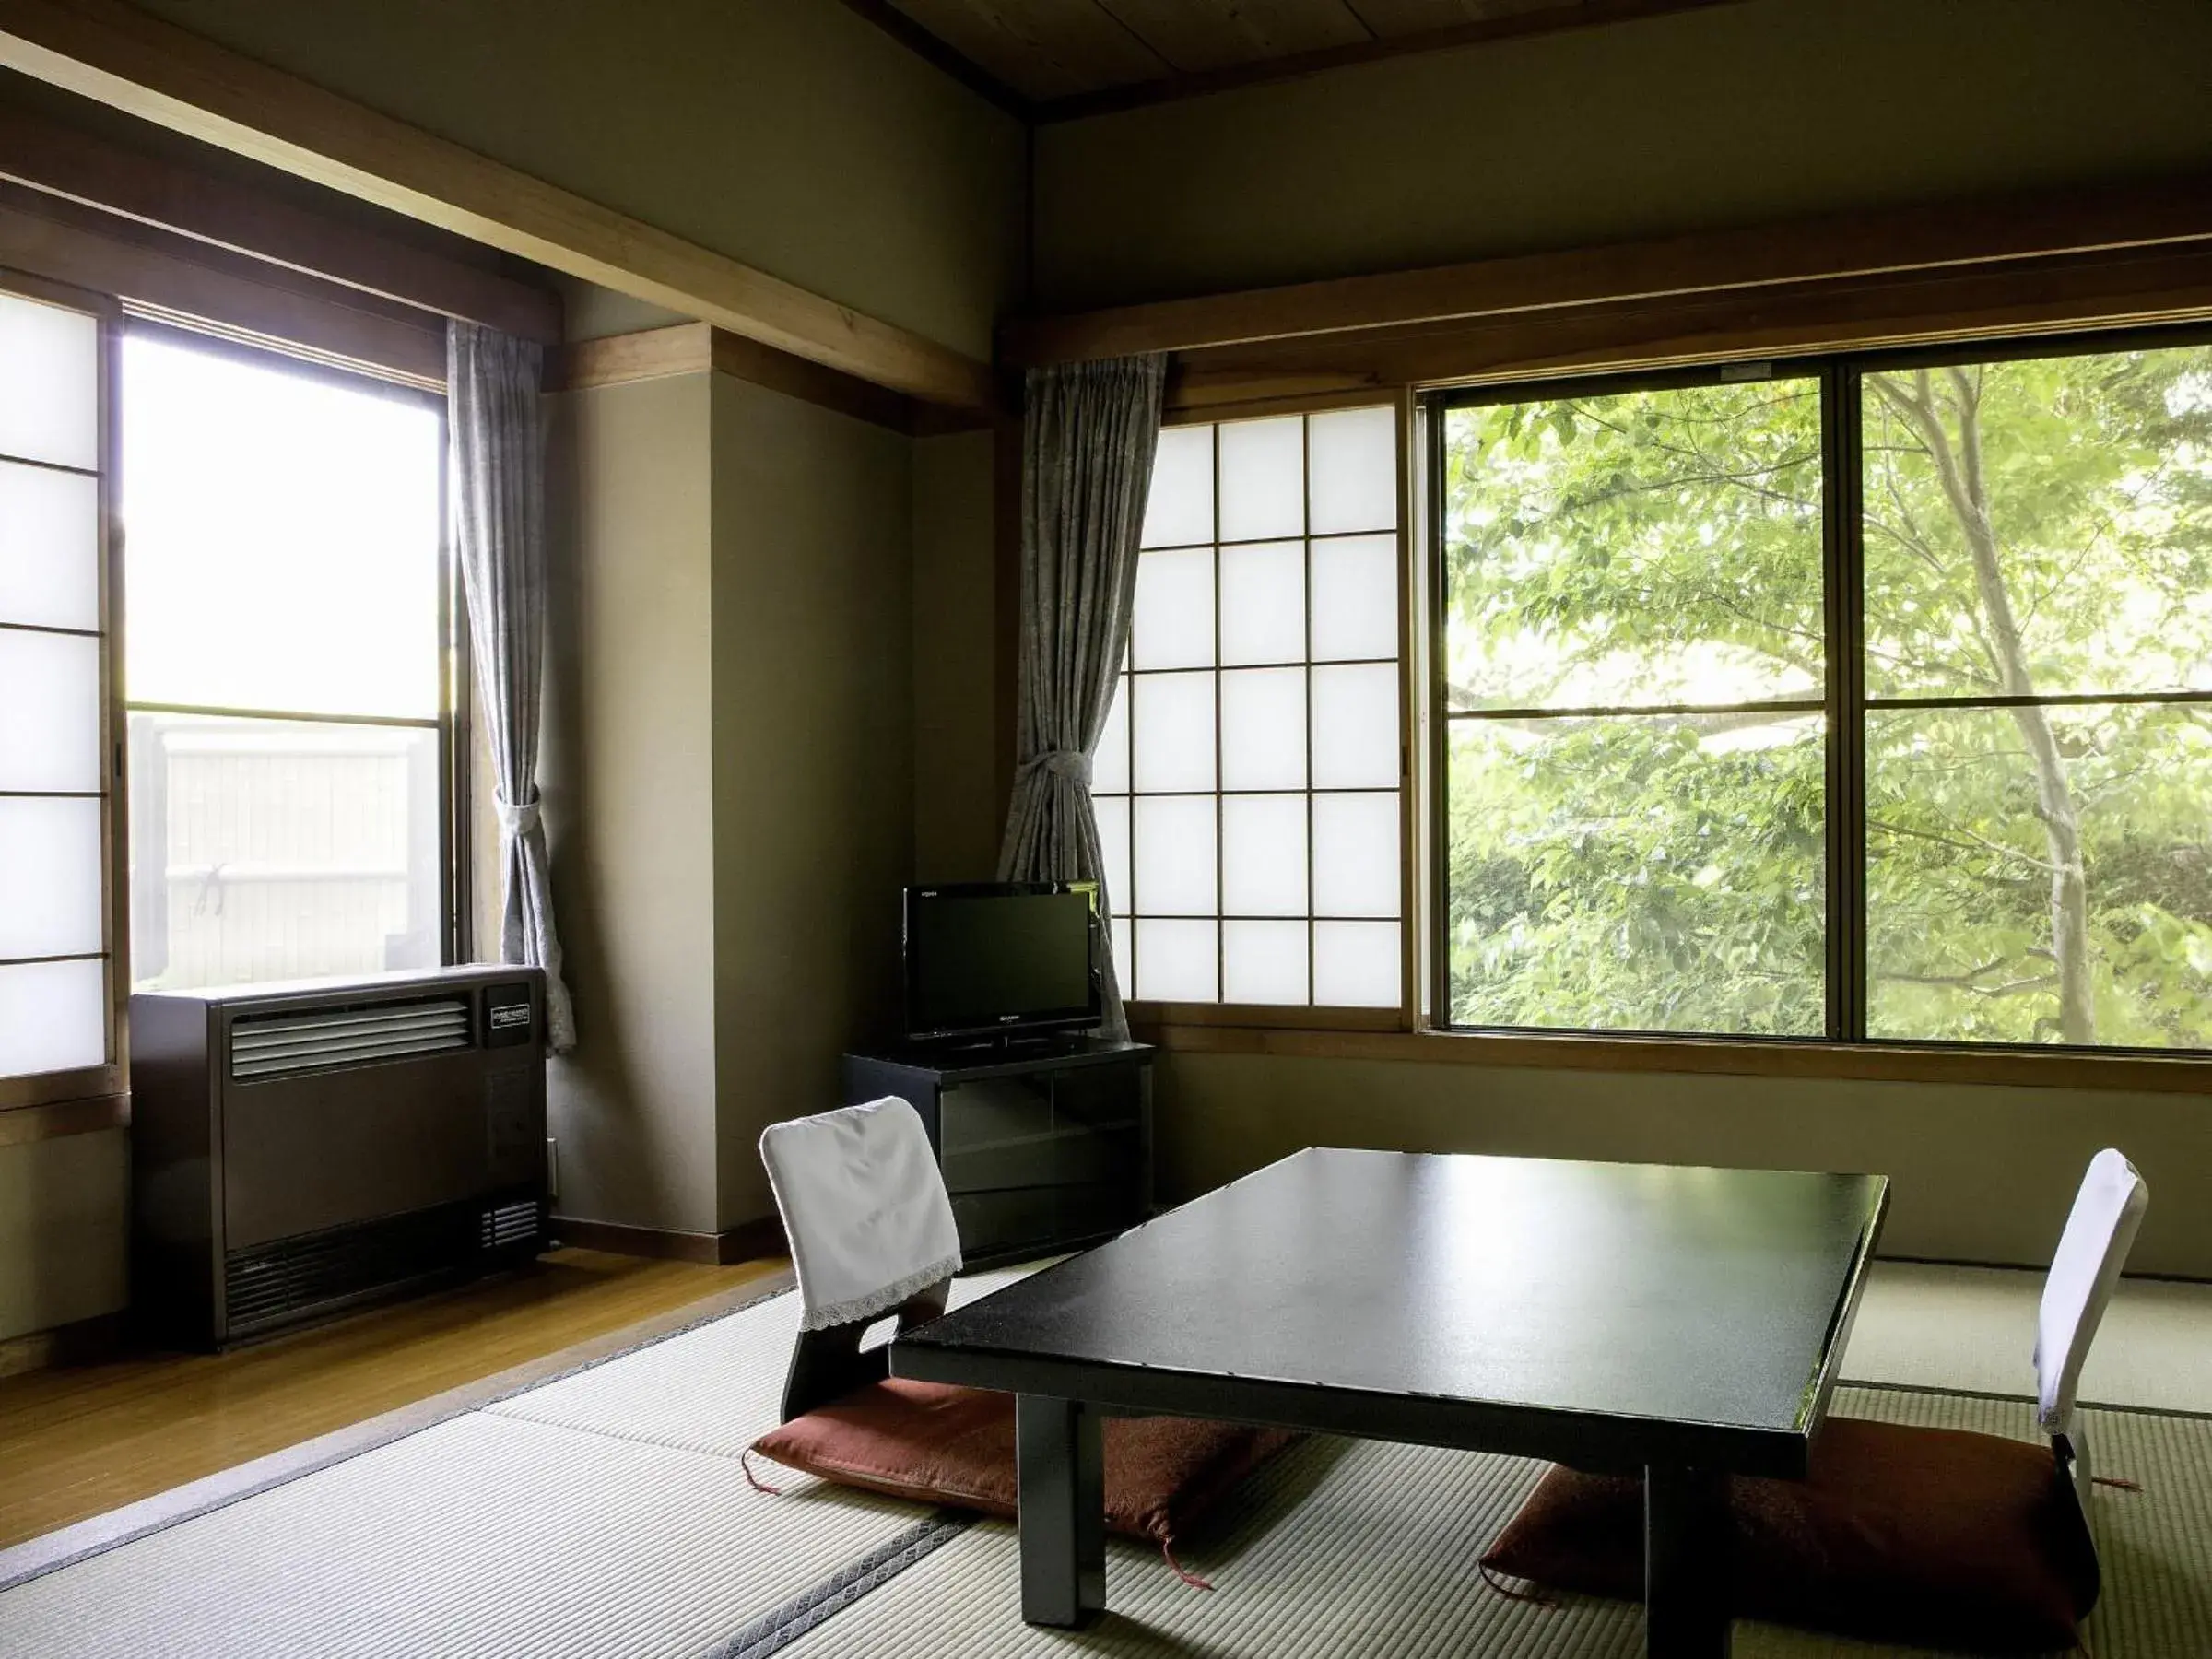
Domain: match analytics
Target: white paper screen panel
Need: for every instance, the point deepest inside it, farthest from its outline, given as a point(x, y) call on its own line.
point(1172, 624)
point(1175, 856)
point(54, 1005)
point(49, 548)
point(1247, 779)
point(1262, 603)
point(49, 385)
point(51, 849)
point(49, 701)
point(1180, 511)
point(1263, 963)
point(53, 1016)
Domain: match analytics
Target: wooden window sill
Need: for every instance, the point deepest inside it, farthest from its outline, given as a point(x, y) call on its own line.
point(1258, 1032)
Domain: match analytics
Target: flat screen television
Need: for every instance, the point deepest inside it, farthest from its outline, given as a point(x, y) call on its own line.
point(986, 959)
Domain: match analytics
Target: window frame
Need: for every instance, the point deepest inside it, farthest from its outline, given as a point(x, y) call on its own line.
point(1153, 1015)
point(1849, 1050)
point(452, 723)
point(108, 1084)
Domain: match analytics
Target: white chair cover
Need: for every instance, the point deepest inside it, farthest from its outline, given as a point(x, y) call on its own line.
point(2107, 1211)
point(865, 1208)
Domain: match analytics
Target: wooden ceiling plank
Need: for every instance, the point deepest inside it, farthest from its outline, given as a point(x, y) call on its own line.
point(1193, 35)
point(107, 50)
point(62, 161)
point(1895, 240)
point(1499, 21)
point(1045, 49)
point(1393, 18)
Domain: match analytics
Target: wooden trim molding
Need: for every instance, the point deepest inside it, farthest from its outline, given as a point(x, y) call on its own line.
point(1979, 232)
point(51, 1120)
point(62, 161)
point(193, 282)
point(1749, 1058)
point(1154, 1016)
point(750, 1241)
point(107, 50)
point(696, 347)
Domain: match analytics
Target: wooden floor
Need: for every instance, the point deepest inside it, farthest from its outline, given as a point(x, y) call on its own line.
point(80, 1442)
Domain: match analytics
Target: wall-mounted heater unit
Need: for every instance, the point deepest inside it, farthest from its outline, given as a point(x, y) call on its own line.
point(302, 1148)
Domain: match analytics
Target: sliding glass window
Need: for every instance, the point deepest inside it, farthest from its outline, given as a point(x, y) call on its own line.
point(287, 667)
point(1856, 700)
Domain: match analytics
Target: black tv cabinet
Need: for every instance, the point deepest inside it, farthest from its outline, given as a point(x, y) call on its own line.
point(1044, 1146)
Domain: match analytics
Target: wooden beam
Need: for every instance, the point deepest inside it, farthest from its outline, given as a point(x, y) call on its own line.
point(103, 49)
point(618, 360)
point(61, 162)
point(1862, 244)
point(2170, 285)
point(194, 282)
point(694, 347)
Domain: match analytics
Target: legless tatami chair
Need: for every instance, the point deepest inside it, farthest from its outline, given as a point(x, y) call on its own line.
point(2084, 1273)
point(1936, 1537)
point(872, 1235)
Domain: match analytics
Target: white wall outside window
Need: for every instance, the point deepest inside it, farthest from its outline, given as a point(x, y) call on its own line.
point(286, 667)
point(1248, 781)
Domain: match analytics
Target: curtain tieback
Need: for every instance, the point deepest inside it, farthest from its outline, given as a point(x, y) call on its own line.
point(1071, 764)
point(517, 821)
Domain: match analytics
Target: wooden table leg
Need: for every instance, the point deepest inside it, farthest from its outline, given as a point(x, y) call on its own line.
point(1687, 1538)
point(1060, 1467)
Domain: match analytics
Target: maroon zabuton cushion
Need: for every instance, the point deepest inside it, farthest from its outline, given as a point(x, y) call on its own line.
point(1930, 1536)
point(941, 1444)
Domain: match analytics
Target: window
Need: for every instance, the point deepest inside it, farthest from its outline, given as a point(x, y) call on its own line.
point(56, 1028)
point(1248, 781)
point(1868, 700)
point(286, 672)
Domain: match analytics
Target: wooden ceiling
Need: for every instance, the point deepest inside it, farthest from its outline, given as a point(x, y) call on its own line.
point(1054, 59)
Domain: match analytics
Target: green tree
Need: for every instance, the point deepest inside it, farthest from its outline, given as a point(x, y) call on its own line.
point(2036, 528)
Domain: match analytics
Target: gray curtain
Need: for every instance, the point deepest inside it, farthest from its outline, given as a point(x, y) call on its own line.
point(498, 488)
point(1089, 430)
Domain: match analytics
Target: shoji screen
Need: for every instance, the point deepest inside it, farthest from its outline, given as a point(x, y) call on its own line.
point(1248, 780)
point(57, 1033)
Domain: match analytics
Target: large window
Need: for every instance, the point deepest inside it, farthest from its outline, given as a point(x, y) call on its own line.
point(286, 668)
point(1248, 783)
point(1867, 699)
point(56, 1028)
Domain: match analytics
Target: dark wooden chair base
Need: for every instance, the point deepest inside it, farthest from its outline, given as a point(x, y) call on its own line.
point(827, 1365)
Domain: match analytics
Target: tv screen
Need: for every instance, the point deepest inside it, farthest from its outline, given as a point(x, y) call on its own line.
point(996, 957)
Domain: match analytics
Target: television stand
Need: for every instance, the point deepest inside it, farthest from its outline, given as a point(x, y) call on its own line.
point(1043, 1147)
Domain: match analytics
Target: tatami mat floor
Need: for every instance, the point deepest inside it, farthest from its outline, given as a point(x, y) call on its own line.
point(1932, 1326)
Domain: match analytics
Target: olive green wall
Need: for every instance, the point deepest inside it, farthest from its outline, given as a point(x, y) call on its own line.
point(1732, 115)
point(813, 757)
point(789, 134)
point(64, 1231)
point(626, 775)
point(957, 812)
point(1980, 1174)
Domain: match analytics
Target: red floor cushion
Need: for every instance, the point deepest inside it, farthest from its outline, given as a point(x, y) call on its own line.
point(1929, 1536)
point(940, 1445)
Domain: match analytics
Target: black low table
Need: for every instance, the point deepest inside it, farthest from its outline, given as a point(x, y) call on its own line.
point(1686, 1322)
